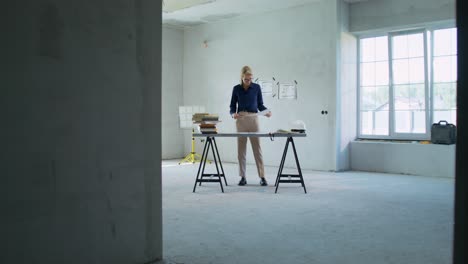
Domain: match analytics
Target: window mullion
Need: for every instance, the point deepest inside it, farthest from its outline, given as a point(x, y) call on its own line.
point(358, 70)
point(391, 104)
point(431, 82)
point(428, 84)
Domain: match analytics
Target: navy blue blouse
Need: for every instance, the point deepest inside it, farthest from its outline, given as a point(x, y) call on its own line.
point(249, 100)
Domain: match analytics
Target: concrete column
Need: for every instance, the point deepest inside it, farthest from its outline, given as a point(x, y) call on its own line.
point(80, 131)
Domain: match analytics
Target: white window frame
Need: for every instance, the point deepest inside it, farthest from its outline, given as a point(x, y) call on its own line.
point(428, 35)
point(392, 133)
point(431, 30)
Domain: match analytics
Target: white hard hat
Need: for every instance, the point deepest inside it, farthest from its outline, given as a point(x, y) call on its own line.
point(298, 126)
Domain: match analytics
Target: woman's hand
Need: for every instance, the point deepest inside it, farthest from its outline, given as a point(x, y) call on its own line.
point(268, 114)
point(235, 115)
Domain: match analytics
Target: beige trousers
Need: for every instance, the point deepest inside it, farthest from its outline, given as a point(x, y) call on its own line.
point(248, 122)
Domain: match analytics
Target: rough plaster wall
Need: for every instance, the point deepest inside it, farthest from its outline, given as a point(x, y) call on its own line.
point(346, 90)
point(172, 73)
point(347, 100)
point(380, 14)
point(293, 44)
point(80, 106)
point(405, 158)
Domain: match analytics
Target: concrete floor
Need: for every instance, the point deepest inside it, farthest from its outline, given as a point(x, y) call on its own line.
point(348, 217)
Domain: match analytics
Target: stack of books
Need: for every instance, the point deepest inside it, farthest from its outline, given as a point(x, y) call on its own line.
point(209, 118)
point(208, 128)
point(198, 117)
point(207, 122)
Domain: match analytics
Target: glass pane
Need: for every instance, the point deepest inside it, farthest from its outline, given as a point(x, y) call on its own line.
point(444, 96)
point(401, 97)
point(453, 68)
point(400, 47)
point(419, 122)
point(366, 123)
point(368, 98)
point(381, 123)
point(429, 35)
point(416, 70)
point(381, 73)
point(381, 48)
point(400, 71)
point(381, 98)
point(442, 42)
point(417, 97)
point(453, 116)
point(445, 102)
point(415, 45)
point(374, 122)
point(453, 96)
point(403, 121)
point(453, 42)
point(447, 115)
point(367, 49)
point(368, 74)
point(442, 69)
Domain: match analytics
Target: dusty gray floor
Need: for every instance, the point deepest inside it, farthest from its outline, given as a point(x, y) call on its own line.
point(349, 217)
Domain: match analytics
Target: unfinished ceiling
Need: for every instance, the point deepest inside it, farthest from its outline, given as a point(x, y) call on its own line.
point(194, 12)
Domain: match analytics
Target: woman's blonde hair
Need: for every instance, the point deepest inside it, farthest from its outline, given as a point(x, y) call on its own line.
point(245, 70)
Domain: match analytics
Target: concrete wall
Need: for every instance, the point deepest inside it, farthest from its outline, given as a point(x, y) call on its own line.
point(346, 95)
point(294, 44)
point(172, 75)
point(80, 111)
point(394, 14)
point(405, 158)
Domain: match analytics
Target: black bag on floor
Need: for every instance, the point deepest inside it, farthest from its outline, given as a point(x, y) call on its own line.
point(443, 133)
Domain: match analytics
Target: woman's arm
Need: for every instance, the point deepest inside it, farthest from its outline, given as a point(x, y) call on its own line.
point(234, 99)
point(260, 105)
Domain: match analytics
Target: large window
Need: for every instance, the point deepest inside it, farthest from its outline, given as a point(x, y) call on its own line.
point(407, 82)
point(444, 63)
point(374, 86)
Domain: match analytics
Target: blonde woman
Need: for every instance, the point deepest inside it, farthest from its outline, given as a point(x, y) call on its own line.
point(246, 101)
